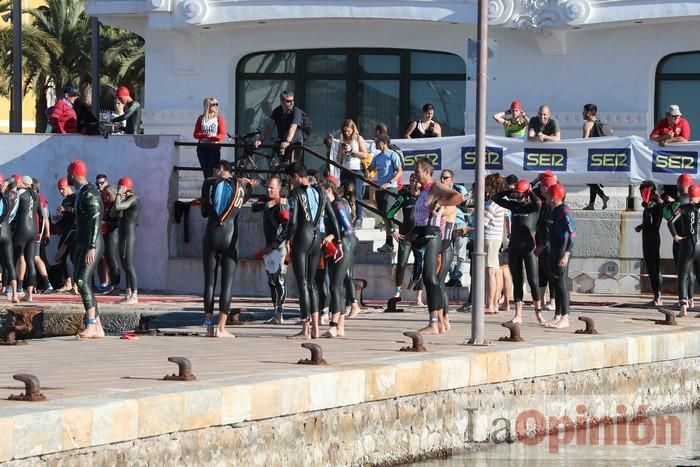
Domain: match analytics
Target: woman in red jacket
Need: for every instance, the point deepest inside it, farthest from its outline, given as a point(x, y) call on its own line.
point(210, 128)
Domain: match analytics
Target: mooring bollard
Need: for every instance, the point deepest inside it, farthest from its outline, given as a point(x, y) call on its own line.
point(144, 326)
point(316, 355)
point(670, 318)
point(416, 342)
point(514, 333)
point(590, 326)
point(184, 368)
point(32, 389)
point(10, 335)
point(391, 305)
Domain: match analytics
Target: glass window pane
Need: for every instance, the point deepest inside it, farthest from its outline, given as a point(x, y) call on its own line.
point(379, 64)
point(325, 105)
point(427, 62)
point(448, 99)
point(378, 102)
point(326, 63)
point(680, 92)
point(256, 100)
point(272, 62)
point(683, 63)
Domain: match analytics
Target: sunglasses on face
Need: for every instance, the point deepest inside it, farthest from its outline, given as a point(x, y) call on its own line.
point(445, 177)
point(214, 104)
point(288, 101)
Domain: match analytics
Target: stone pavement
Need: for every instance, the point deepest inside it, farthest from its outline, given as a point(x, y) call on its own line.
point(68, 368)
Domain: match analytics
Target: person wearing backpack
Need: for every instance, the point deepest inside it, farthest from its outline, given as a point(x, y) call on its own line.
point(594, 128)
point(291, 123)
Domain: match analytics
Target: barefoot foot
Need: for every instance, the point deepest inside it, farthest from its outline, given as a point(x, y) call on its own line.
point(430, 329)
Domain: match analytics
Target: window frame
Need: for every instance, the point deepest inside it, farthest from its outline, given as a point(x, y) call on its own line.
point(659, 108)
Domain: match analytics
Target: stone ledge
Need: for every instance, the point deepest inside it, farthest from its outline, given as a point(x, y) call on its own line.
point(29, 430)
point(50, 322)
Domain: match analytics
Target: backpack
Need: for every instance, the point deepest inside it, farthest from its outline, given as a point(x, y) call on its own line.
point(600, 129)
point(306, 124)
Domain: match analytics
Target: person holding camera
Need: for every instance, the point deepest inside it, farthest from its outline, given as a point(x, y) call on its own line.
point(352, 150)
point(513, 120)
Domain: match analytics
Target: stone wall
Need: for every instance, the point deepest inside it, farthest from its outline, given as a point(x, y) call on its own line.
point(406, 428)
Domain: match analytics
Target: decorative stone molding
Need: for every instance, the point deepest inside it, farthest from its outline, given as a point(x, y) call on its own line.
point(160, 5)
point(538, 14)
point(193, 11)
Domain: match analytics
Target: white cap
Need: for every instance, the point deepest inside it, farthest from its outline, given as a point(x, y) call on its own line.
point(674, 110)
point(27, 180)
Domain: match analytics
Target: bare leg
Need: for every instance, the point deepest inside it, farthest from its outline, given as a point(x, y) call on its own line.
point(518, 318)
point(432, 327)
point(419, 298)
point(93, 327)
point(305, 332)
point(220, 330)
point(507, 289)
point(562, 323)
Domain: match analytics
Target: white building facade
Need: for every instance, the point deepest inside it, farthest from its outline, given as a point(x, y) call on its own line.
point(381, 60)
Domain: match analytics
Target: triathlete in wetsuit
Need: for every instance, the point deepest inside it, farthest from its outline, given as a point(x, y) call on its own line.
point(406, 202)
point(110, 234)
point(670, 207)
point(310, 216)
point(89, 244)
point(222, 198)
point(128, 204)
point(66, 228)
point(524, 206)
point(339, 270)
point(275, 212)
point(561, 240)
point(684, 227)
point(427, 235)
point(542, 250)
point(25, 233)
point(447, 224)
point(651, 239)
point(9, 271)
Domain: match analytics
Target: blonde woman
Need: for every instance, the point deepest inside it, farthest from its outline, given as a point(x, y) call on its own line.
point(351, 150)
point(210, 128)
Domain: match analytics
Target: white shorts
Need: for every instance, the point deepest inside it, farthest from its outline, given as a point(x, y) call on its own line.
point(492, 247)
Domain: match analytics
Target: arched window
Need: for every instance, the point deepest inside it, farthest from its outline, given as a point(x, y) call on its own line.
point(367, 85)
point(678, 82)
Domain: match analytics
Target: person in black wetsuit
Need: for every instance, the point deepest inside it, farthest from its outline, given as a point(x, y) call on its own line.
point(65, 225)
point(684, 227)
point(339, 270)
point(222, 198)
point(89, 245)
point(561, 240)
point(524, 206)
point(275, 211)
point(128, 205)
point(9, 271)
point(651, 239)
point(25, 233)
point(542, 249)
point(109, 268)
point(311, 218)
point(427, 235)
point(406, 202)
point(672, 201)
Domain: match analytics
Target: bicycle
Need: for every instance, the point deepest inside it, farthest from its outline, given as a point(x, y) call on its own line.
point(253, 158)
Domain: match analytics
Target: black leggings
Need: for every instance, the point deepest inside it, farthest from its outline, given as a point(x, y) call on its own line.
point(83, 273)
point(339, 274)
point(515, 264)
point(208, 157)
point(544, 273)
point(112, 254)
point(306, 252)
point(24, 247)
point(402, 262)
point(686, 280)
point(652, 260)
point(595, 190)
point(447, 255)
point(127, 245)
point(322, 286)
point(277, 283)
point(9, 266)
point(430, 240)
point(219, 249)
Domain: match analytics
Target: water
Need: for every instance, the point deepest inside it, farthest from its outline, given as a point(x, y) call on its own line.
point(649, 448)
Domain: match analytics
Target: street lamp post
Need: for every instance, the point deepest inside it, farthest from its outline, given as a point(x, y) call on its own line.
point(478, 261)
point(16, 100)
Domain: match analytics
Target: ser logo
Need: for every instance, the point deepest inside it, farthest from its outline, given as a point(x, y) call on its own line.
point(609, 160)
point(674, 162)
point(541, 159)
point(494, 158)
point(434, 156)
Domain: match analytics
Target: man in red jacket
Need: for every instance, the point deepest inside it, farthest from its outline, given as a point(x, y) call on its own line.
point(63, 118)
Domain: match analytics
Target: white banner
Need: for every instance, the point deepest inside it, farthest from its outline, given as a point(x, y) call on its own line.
point(611, 161)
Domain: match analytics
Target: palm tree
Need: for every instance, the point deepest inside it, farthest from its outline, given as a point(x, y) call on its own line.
point(56, 52)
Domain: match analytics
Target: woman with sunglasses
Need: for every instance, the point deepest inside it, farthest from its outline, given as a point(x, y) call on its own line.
point(209, 129)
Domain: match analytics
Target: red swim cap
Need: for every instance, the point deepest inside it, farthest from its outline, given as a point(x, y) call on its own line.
point(127, 182)
point(123, 91)
point(62, 183)
point(2, 178)
point(516, 105)
point(17, 178)
point(646, 193)
point(77, 168)
point(684, 180)
point(548, 181)
point(694, 191)
point(523, 186)
point(557, 192)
